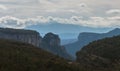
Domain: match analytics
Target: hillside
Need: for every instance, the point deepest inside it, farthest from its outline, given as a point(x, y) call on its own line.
point(87, 37)
point(16, 56)
point(101, 55)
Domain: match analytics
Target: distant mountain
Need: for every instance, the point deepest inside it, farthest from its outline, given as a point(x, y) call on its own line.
point(17, 56)
point(65, 31)
point(33, 37)
point(71, 35)
point(87, 37)
point(67, 41)
point(101, 55)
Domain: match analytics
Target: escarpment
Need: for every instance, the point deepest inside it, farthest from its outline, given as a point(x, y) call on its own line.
point(50, 42)
point(27, 36)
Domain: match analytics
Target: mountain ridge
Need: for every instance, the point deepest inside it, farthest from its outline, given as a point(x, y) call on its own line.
point(34, 38)
point(87, 37)
point(101, 54)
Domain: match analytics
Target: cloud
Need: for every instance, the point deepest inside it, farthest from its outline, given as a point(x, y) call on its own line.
point(60, 4)
point(32, 8)
point(94, 22)
point(113, 11)
point(2, 7)
point(82, 5)
point(57, 8)
point(89, 13)
point(12, 22)
point(64, 8)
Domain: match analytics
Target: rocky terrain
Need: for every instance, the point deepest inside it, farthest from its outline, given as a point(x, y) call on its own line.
point(49, 42)
point(26, 50)
point(27, 36)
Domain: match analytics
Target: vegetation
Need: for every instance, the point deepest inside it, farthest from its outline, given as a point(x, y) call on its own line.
point(103, 55)
point(16, 56)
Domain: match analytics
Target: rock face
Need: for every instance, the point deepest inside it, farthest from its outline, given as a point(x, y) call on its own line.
point(86, 37)
point(27, 36)
point(103, 53)
point(51, 42)
point(51, 39)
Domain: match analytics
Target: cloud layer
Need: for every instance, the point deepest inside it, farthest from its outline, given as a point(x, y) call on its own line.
point(94, 22)
point(89, 13)
point(61, 8)
point(3, 7)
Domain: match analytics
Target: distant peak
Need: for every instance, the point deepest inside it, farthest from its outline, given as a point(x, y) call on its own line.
point(116, 29)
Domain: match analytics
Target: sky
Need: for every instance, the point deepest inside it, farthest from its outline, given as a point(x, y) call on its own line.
point(87, 13)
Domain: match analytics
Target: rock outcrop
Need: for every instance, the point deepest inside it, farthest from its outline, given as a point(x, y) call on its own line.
point(27, 36)
point(50, 42)
point(87, 37)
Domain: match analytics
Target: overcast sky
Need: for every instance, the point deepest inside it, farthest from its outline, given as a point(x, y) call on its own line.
point(90, 13)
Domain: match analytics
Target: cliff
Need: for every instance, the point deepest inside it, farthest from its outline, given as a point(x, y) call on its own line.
point(27, 36)
point(50, 42)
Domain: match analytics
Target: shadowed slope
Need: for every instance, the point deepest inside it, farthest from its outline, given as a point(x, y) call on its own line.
point(16, 56)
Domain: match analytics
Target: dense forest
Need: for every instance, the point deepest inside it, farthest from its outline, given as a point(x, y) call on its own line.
point(100, 55)
point(103, 55)
point(17, 56)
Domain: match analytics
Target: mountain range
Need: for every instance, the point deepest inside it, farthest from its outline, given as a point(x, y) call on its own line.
point(15, 55)
point(65, 31)
point(50, 42)
point(87, 37)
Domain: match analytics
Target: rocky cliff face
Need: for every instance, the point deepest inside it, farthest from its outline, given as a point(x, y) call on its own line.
point(51, 39)
point(27, 36)
point(50, 42)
